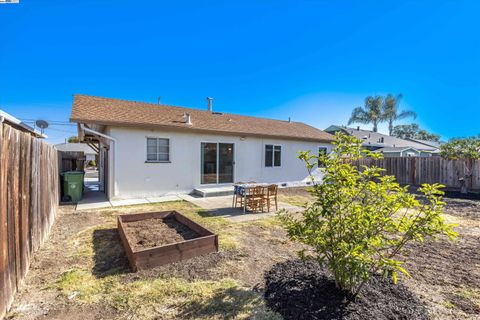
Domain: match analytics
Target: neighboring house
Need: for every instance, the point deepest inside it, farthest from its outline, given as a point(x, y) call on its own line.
point(87, 150)
point(401, 152)
point(388, 145)
point(153, 150)
point(433, 144)
point(18, 124)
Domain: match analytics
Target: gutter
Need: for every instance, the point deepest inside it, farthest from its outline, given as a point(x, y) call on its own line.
point(103, 135)
point(189, 129)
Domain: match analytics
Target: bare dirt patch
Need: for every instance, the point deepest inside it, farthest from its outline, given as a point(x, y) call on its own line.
point(81, 271)
point(446, 274)
point(149, 233)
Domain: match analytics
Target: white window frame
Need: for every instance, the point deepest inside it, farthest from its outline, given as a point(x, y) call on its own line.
point(218, 162)
point(273, 155)
point(158, 153)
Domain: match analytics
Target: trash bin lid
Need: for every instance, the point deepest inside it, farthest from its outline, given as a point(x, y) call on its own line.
point(68, 173)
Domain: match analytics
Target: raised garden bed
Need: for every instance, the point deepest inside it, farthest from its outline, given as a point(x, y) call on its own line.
point(156, 238)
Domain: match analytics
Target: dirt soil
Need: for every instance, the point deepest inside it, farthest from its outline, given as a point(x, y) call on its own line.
point(446, 274)
point(304, 290)
point(154, 232)
point(81, 271)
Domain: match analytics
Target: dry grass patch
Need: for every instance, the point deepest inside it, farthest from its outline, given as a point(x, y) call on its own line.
point(95, 274)
point(164, 297)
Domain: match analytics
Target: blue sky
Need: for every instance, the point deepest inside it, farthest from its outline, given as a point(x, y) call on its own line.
point(313, 61)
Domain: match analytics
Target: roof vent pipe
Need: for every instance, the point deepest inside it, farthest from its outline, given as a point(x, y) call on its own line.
point(188, 119)
point(209, 103)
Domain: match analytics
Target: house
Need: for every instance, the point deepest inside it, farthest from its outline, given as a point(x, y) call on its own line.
point(433, 144)
point(400, 152)
point(89, 153)
point(390, 146)
point(154, 149)
point(19, 125)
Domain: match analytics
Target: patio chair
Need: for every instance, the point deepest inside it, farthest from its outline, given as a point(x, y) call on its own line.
point(237, 194)
point(271, 194)
point(256, 200)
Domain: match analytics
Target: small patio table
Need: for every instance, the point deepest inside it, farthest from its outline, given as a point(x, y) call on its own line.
point(242, 189)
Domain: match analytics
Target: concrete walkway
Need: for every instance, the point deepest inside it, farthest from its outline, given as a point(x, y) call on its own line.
point(98, 200)
point(95, 199)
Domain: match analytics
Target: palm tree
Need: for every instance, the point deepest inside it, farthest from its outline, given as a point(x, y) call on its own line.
point(391, 113)
point(370, 113)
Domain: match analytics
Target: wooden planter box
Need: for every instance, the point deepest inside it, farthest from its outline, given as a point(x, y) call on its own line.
point(147, 258)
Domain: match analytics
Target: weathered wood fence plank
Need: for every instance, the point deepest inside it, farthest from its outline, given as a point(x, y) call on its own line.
point(28, 205)
point(417, 170)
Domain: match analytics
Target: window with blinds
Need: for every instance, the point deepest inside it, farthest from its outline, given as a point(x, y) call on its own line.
point(158, 150)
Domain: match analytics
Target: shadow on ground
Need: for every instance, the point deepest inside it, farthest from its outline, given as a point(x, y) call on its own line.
point(109, 255)
point(220, 212)
point(227, 303)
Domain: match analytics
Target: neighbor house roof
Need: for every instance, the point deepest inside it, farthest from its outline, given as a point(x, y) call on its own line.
point(75, 147)
point(20, 125)
point(434, 144)
point(116, 112)
point(378, 139)
point(395, 149)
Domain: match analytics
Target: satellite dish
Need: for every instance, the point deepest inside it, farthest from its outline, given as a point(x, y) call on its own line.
point(42, 124)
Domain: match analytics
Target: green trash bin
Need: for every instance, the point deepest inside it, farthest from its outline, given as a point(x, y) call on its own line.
point(73, 185)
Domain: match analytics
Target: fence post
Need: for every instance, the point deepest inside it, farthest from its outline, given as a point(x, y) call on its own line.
point(413, 170)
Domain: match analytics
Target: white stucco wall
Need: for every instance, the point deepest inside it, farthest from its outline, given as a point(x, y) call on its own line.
point(132, 177)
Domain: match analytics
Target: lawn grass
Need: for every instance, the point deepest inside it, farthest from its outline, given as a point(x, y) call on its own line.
point(159, 295)
point(147, 298)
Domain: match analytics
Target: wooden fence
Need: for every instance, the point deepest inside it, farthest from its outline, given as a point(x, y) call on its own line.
point(28, 204)
point(70, 160)
point(418, 170)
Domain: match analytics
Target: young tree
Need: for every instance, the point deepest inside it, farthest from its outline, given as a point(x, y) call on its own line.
point(466, 149)
point(413, 131)
point(361, 220)
point(391, 113)
point(73, 139)
point(370, 113)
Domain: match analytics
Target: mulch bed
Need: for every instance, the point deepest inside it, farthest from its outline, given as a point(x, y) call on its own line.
point(304, 290)
point(155, 232)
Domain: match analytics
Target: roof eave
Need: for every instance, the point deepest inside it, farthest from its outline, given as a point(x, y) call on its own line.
point(179, 128)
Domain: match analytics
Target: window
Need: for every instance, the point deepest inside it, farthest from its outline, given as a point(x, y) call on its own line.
point(158, 150)
point(273, 155)
point(321, 151)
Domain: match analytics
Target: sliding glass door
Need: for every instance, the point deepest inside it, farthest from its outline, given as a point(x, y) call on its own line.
point(217, 162)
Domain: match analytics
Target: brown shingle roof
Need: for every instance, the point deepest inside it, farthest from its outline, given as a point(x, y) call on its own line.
point(116, 112)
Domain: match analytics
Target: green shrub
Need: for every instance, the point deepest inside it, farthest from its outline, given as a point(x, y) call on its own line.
point(92, 163)
point(360, 220)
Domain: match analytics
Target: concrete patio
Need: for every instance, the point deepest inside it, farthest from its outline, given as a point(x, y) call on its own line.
point(217, 206)
point(222, 207)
